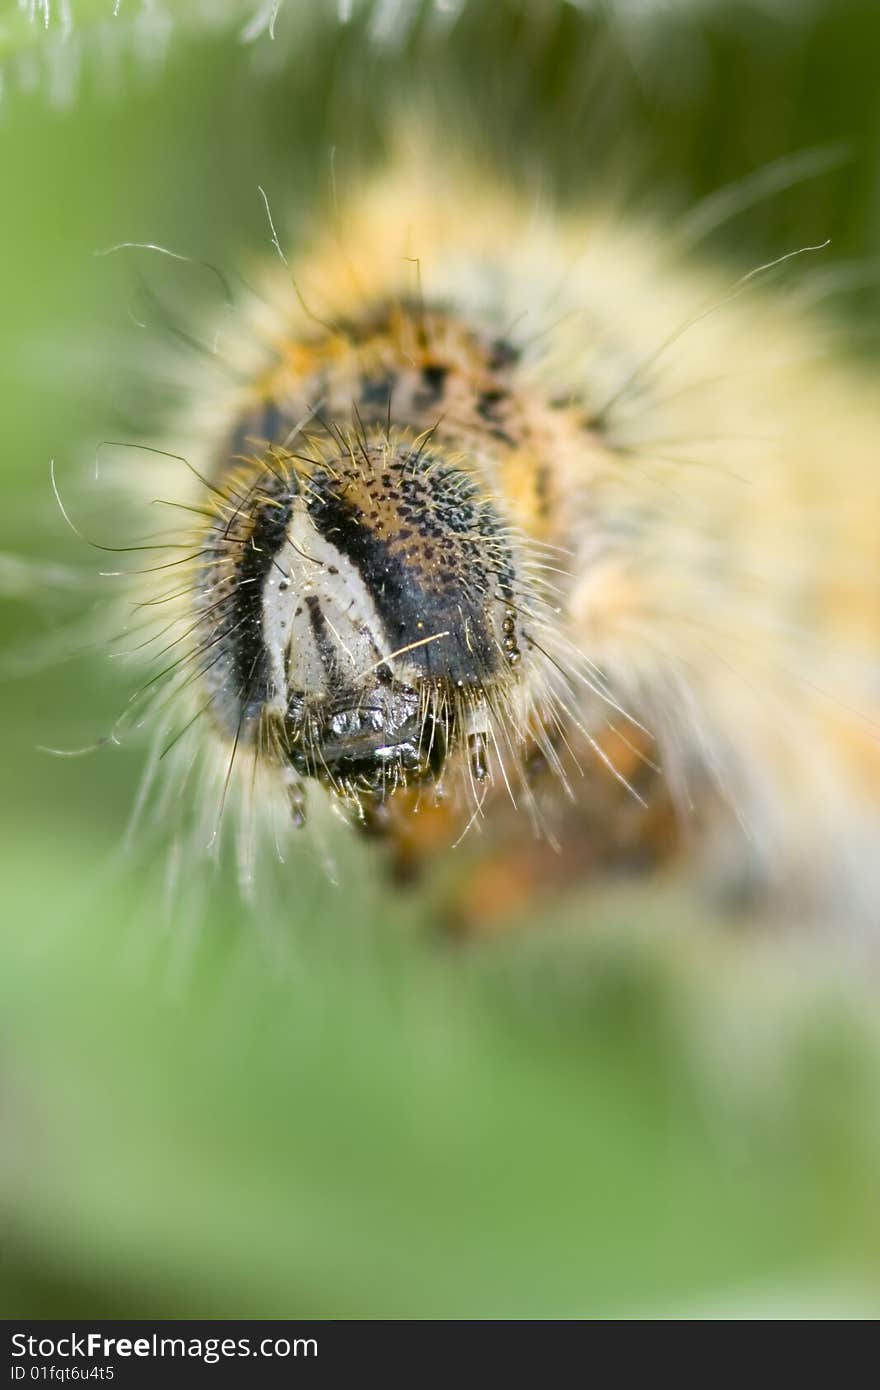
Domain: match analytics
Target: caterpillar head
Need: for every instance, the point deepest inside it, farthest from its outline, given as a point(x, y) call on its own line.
point(364, 604)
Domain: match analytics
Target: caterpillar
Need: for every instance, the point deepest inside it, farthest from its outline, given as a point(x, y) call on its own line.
point(513, 533)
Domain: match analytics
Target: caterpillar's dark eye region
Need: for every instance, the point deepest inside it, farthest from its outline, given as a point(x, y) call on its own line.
point(363, 608)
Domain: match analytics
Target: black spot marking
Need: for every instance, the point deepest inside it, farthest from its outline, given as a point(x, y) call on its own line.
point(376, 391)
point(503, 354)
point(489, 408)
point(434, 376)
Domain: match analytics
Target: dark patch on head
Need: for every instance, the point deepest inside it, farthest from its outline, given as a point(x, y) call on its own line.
point(249, 544)
point(415, 597)
point(269, 532)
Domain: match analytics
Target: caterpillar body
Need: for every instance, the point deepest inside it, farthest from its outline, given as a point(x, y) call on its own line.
point(514, 529)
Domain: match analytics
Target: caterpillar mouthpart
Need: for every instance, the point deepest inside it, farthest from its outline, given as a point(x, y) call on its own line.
point(363, 604)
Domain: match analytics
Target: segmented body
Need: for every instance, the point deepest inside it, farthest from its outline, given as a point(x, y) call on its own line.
point(519, 526)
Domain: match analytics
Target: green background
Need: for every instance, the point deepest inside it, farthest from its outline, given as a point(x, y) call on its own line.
point(622, 1108)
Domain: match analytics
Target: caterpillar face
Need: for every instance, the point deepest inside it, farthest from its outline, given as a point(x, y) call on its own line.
point(369, 611)
point(360, 601)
